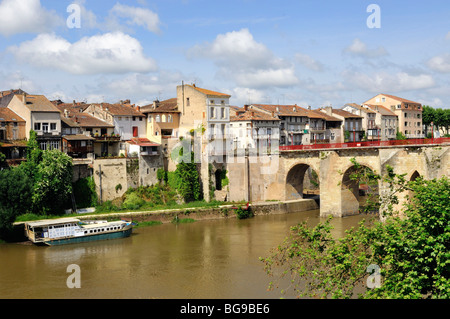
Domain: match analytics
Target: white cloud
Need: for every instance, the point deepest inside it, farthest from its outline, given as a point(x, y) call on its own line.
point(137, 16)
point(246, 61)
point(26, 16)
point(107, 53)
point(389, 82)
point(440, 63)
point(359, 48)
point(309, 62)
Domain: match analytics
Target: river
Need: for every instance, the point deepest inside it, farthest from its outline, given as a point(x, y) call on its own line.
point(210, 259)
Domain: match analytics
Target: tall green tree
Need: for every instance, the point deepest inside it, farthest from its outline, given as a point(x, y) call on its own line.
point(411, 253)
point(53, 182)
point(188, 179)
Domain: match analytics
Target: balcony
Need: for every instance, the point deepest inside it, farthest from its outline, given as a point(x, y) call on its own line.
point(106, 138)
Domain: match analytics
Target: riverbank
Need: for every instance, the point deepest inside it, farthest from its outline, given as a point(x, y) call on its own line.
point(206, 213)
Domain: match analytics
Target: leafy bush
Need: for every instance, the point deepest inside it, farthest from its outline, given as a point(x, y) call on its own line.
point(133, 201)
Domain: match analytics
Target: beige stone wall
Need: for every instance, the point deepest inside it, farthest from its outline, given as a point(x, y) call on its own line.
point(113, 173)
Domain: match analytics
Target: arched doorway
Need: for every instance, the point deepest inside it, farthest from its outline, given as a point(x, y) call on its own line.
point(359, 190)
point(302, 181)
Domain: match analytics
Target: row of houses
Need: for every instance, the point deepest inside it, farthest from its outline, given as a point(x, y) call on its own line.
point(90, 130)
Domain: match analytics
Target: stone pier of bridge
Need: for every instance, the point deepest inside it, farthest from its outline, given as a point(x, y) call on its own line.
point(281, 176)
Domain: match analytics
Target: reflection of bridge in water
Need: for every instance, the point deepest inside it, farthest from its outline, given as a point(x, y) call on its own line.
point(283, 176)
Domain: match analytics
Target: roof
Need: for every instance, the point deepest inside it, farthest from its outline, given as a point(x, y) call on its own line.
point(283, 110)
point(37, 103)
point(345, 114)
point(253, 115)
point(322, 115)
point(77, 137)
point(142, 142)
point(166, 106)
point(359, 107)
point(7, 115)
point(208, 92)
point(45, 222)
point(120, 109)
point(398, 98)
point(381, 109)
point(80, 119)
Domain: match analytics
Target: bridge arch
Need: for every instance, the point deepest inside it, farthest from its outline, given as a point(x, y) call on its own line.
point(355, 189)
point(300, 176)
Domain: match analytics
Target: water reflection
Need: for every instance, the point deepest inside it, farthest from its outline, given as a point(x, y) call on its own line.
point(205, 259)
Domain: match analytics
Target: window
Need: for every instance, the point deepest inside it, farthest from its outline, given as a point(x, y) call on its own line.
point(53, 126)
point(188, 103)
point(406, 123)
point(134, 118)
point(211, 112)
point(37, 126)
point(383, 99)
point(45, 127)
point(157, 118)
point(135, 131)
point(222, 110)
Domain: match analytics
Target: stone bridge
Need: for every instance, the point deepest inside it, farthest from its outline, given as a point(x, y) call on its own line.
point(282, 177)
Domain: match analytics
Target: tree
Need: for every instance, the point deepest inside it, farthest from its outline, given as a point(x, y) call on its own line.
point(33, 155)
point(53, 182)
point(427, 116)
point(189, 184)
point(412, 252)
point(15, 197)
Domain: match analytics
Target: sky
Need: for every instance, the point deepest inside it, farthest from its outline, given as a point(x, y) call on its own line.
point(309, 53)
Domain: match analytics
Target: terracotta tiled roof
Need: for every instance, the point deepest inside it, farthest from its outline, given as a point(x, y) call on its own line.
point(142, 142)
point(381, 109)
point(38, 103)
point(79, 118)
point(252, 115)
point(166, 106)
point(7, 115)
point(399, 98)
point(209, 92)
point(120, 109)
point(283, 110)
point(322, 115)
point(345, 114)
point(359, 107)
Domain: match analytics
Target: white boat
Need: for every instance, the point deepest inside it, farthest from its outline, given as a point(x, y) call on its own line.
point(71, 230)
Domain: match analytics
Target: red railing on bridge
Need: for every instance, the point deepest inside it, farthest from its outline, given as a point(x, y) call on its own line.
point(417, 141)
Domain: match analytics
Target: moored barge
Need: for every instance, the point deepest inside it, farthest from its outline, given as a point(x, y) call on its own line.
point(71, 230)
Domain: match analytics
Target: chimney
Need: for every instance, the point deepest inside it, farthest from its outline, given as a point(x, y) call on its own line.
point(74, 103)
point(278, 109)
point(309, 107)
point(329, 110)
point(253, 114)
point(273, 114)
point(66, 113)
point(24, 98)
point(245, 107)
point(121, 102)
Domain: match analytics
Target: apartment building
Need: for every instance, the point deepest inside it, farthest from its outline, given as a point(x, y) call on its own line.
point(40, 115)
point(409, 113)
point(12, 134)
point(163, 120)
point(368, 119)
point(293, 124)
point(351, 128)
point(254, 129)
point(126, 118)
point(386, 122)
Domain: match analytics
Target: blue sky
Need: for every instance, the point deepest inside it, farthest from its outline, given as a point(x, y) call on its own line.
point(304, 52)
